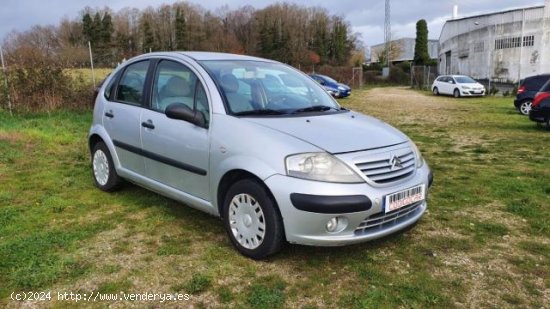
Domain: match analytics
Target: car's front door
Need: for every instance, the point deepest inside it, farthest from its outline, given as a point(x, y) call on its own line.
point(176, 152)
point(122, 114)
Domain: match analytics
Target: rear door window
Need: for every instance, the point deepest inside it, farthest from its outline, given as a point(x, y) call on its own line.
point(131, 86)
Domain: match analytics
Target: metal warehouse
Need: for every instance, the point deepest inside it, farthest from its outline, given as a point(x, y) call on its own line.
point(403, 50)
point(502, 47)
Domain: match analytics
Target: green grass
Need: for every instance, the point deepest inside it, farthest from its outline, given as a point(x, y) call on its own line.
point(483, 243)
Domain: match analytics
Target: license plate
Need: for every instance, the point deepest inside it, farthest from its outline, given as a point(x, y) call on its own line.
point(406, 197)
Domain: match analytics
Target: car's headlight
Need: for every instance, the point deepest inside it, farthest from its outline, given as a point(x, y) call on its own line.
point(320, 166)
point(417, 155)
point(465, 87)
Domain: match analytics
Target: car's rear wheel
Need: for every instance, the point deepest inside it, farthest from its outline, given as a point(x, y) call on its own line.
point(105, 175)
point(252, 219)
point(456, 93)
point(525, 107)
point(435, 91)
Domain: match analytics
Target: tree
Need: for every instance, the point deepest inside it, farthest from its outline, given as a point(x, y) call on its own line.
point(148, 37)
point(106, 31)
point(421, 55)
point(181, 30)
point(88, 27)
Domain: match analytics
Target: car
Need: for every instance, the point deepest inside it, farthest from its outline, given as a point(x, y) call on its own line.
point(527, 90)
point(540, 108)
point(258, 144)
point(336, 89)
point(457, 86)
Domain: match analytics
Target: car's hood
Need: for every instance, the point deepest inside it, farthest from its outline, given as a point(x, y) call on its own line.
point(336, 133)
point(472, 85)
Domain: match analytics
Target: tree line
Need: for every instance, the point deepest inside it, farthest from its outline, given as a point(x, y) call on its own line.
point(289, 33)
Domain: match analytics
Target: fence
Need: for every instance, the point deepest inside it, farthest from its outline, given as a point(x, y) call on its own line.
point(351, 76)
point(422, 77)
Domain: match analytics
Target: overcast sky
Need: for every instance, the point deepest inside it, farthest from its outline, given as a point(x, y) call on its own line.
point(365, 16)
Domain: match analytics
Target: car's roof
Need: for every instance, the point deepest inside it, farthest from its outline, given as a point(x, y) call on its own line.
point(537, 76)
point(203, 56)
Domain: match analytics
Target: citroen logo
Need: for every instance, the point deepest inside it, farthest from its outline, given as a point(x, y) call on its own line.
point(395, 162)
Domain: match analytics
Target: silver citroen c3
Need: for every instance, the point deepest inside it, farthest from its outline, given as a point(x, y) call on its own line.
point(259, 144)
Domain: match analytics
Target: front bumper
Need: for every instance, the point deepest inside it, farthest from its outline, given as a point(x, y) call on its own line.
point(309, 228)
point(472, 93)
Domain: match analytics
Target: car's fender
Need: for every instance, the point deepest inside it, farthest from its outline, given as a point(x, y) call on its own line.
point(99, 130)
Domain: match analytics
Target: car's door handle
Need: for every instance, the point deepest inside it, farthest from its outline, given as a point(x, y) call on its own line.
point(148, 125)
point(109, 114)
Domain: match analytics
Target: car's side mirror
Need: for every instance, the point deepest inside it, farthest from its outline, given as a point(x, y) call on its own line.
point(181, 111)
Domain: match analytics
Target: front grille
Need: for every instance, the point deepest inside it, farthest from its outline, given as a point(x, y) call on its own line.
point(381, 220)
point(380, 170)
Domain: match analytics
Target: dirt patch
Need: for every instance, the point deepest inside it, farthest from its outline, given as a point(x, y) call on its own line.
point(11, 137)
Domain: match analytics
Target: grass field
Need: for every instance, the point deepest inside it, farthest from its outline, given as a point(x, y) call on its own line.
point(484, 241)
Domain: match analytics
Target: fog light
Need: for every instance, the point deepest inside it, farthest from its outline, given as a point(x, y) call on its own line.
point(336, 224)
point(332, 224)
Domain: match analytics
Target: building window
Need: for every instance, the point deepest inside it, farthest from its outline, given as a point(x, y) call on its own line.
point(479, 47)
point(514, 42)
point(529, 40)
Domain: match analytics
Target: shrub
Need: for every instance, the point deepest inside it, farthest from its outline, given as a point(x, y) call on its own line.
point(493, 91)
point(515, 90)
point(45, 88)
point(398, 76)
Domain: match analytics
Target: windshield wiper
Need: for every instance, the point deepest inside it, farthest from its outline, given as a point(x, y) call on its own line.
point(315, 108)
point(259, 112)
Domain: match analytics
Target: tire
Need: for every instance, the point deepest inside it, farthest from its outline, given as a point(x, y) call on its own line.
point(456, 93)
point(252, 220)
point(105, 175)
point(524, 107)
point(435, 91)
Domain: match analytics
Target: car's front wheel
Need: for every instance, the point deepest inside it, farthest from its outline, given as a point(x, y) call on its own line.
point(252, 219)
point(435, 91)
point(456, 93)
point(105, 175)
point(525, 107)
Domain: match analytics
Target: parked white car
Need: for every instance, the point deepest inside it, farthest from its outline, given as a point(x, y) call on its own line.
point(457, 86)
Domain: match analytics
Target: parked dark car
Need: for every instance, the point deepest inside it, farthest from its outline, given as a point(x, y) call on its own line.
point(527, 90)
point(336, 89)
point(540, 109)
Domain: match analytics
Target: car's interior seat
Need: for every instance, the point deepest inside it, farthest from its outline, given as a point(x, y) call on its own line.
point(176, 90)
point(237, 102)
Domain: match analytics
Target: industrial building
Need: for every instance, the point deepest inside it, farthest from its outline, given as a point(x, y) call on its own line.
point(500, 47)
point(402, 50)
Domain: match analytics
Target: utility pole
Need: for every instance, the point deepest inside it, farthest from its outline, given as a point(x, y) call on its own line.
point(387, 32)
point(92, 62)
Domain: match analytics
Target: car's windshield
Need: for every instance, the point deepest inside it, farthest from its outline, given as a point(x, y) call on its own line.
point(265, 88)
point(464, 80)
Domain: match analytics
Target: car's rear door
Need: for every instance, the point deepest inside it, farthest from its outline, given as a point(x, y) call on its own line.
point(176, 152)
point(122, 114)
